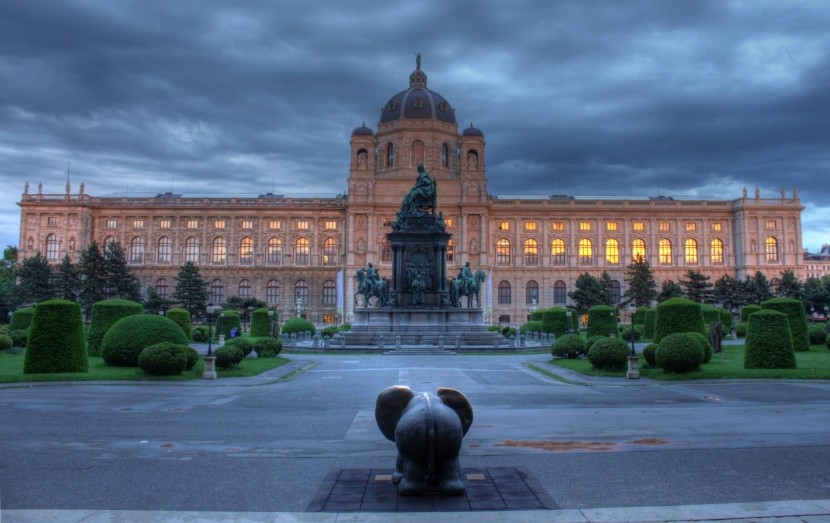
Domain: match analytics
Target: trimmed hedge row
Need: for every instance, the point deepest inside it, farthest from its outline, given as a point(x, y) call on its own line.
point(747, 310)
point(56, 339)
point(555, 320)
point(21, 319)
point(769, 342)
point(297, 324)
point(794, 309)
point(261, 322)
point(104, 315)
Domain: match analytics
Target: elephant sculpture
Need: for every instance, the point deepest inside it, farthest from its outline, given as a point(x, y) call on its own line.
point(427, 429)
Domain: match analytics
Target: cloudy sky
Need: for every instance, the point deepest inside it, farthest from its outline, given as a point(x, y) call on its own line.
point(585, 97)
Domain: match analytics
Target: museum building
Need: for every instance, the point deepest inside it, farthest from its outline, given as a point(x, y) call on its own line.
point(305, 249)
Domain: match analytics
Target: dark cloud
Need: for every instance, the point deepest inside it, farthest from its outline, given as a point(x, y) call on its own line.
point(575, 97)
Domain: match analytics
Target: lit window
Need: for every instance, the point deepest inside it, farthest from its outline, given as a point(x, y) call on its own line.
point(664, 252)
point(557, 251)
point(165, 224)
point(717, 251)
point(302, 252)
point(218, 224)
point(771, 249)
point(530, 226)
point(448, 222)
point(612, 252)
point(450, 248)
point(138, 224)
point(329, 293)
point(272, 292)
point(639, 226)
point(586, 252)
point(560, 295)
point(329, 252)
point(137, 250)
point(165, 250)
point(558, 226)
point(611, 226)
point(247, 224)
point(504, 226)
point(112, 224)
point(219, 252)
point(505, 293)
point(665, 226)
point(691, 226)
point(331, 225)
point(192, 224)
point(245, 289)
point(717, 227)
point(191, 252)
point(302, 225)
point(770, 224)
point(531, 252)
point(274, 224)
point(246, 251)
point(52, 245)
point(584, 226)
point(638, 250)
point(329, 319)
point(274, 254)
point(503, 252)
point(691, 252)
point(52, 221)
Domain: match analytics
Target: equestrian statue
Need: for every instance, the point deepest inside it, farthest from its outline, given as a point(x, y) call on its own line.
point(467, 284)
point(371, 285)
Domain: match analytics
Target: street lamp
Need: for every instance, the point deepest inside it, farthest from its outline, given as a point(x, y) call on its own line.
point(613, 323)
point(569, 314)
point(271, 321)
point(161, 311)
point(210, 312)
point(210, 359)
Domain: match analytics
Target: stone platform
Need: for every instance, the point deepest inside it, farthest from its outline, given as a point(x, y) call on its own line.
point(418, 319)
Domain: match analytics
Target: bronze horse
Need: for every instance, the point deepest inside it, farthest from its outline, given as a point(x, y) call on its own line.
point(459, 288)
point(371, 289)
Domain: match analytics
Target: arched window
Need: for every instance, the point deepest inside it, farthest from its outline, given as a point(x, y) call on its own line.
point(664, 252)
point(161, 287)
point(531, 252)
point(217, 292)
point(52, 247)
point(557, 252)
point(302, 252)
point(274, 254)
point(612, 252)
point(690, 248)
point(246, 251)
point(503, 252)
point(560, 294)
point(272, 292)
point(301, 292)
point(417, 155)
point(638, 250)
point(586, 252)
point(616, 296)
point(717, 251)
point(164, 253)
point(108, 240)
point(244, 289)
point(191, 251)
point(445, 155)
point(532, 293)
point(449, 250)
point(771, 249)
point(329, 252)
point(390, 155)
point(504, 293)
point(219, 250)
point(385, 250)
point(329, 293)
point(137, 250)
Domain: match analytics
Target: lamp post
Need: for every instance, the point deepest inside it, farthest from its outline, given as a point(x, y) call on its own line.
point(161, 311)
point(633, 373)
point(569, 315)
point(210, 359)
point(271, 321)
point(612, 316)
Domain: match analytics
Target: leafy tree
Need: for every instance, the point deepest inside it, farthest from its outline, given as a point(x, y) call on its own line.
point(120, 282)
point(758, 288)
point(191, 289)
point(815, 294)
point(154, 302)
point(639, 280)
point(67, 281)
point(789, 286)
point(8, 296)
point(730, 291)
point(697, 287)
point(589, 291)
point(93, 276)
point(249, 302)
point(34, 280)
point(670, 289)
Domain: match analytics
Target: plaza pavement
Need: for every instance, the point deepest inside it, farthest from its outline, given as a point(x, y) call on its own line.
point(774, 433)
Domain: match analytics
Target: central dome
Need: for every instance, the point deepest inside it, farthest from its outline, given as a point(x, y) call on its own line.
point(417, 102)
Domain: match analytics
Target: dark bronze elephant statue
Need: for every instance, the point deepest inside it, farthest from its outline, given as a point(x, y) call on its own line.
point(427, 429)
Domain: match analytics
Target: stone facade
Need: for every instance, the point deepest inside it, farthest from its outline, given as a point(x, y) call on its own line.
point(279, 248)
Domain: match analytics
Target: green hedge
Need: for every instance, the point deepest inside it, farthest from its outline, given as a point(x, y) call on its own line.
point(244, 344)
point(125, 340)
point(794, 309)
point(268, 347)
point(227, 321)
point(816, 334)
point(530, 326)
point(574, 318)
point(648, 323)
point(634, 332)
point(769, 343)
point(741, 328)
point(163, 359)
point(710, 313)
point(568, 346)
point(19, 337)
point(104, 315)
point(608, 353)
point(182, 318)
point(537, 315)
point(602, 320)
point(726, 318)
point(21, 318)
point(228, 356)
point(705, 344)
point(747, 310)
point(56, 339)
point(261, 323)
point(555, 320)
point(678, 315)
point(679, 352)
point(648, 354)
point(640, 315)
point(5, 342)
point(297, 324)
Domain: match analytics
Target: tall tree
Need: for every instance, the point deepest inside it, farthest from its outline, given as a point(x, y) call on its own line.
point(789, 286)
point(34, 278)
point(730, 291)
point(758, 288)
point(191, 289)
point(589, 291)
point(815, 295)
point(669, 289)
point(120, 282)
point(639, 280)
point(93, 276)
point(697, 287)
point(154, 302)
point(8, 295)
point(67, 281)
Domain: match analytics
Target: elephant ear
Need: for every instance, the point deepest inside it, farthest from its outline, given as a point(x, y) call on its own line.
point(458, 402)
point(389, 408)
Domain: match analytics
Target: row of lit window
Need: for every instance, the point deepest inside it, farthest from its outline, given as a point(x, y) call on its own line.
point(531, 226)
point(272, 291)
point(302, 225)
point(504, 293)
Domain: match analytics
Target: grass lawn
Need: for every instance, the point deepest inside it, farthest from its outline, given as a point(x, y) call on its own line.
point(814, 364)
point(11, 371)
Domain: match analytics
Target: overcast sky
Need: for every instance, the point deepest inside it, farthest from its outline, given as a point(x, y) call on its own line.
point(584, 97)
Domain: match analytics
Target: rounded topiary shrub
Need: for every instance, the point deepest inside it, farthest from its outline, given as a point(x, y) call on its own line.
point(19, 337)
point(226, 322)
point(568, 346)
point(608, 353)
point(56, 339)
point(191, 355)
point(648, 354)
point(740, 329)
point(590, 341)
point(794, 309)
point(602, 320)
point(747, 310)
point(769, 343)
point(648, 323)
point(182, 318)
point(297, 324)
point(705, 344)
point(268, 347)
point(816, 334)
point(162, 359)
point(632, 333)
point(200, 333)
point(678, 315)
point(640, 316)
point(537, 315)
point(4, 329)
point(244, 344)
point(125, 340)
point(104, 315)
point(261, 323)
point(679, 352)
point(531, 326)
point(5, 342)
point(21, 319)
point(228, 356)
point(555, 320)
point(331, 330)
